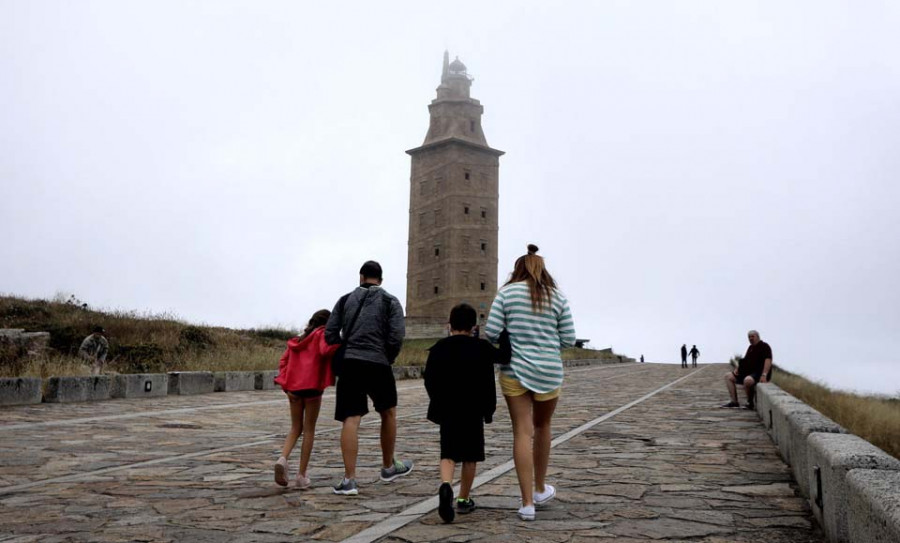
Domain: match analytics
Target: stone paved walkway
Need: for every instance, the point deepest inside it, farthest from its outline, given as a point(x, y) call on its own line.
point(671, 467)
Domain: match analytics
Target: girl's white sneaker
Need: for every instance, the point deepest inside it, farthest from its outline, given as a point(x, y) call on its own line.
point(302, 481)
point(281, 472)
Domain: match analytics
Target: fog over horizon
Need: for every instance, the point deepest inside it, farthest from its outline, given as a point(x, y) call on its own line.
point(689, 171)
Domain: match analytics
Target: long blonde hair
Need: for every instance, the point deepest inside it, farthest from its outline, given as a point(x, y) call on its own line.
point(530, 269)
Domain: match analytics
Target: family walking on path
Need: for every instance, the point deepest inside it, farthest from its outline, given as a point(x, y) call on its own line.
point(363, 335)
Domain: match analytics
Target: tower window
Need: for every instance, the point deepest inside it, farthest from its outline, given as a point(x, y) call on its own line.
point(437, 251)
point(467, 176)
point(483, 213)
point(483, 246)
point(483, 286)
point(466, 210)
point(482, 316)
point(435, 289)
point(471, 128)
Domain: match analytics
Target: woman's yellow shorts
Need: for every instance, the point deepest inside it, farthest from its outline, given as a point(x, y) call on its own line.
point(510, 386)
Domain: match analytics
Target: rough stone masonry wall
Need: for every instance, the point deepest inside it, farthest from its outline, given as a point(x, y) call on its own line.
point(853, 487)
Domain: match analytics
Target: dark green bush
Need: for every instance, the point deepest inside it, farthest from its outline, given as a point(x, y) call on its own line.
point(139, 358)
point(28, 315)
point(194, 338)
point(67, 339)
point(13, 357)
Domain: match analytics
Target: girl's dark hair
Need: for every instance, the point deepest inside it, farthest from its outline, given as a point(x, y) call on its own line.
point(318, 319)
point(530, 269)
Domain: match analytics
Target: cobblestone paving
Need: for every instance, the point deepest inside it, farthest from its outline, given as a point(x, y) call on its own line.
point(672, 467)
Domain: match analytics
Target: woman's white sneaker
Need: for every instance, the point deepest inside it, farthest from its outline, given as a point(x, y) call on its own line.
point(526, 512)
point(543, 498)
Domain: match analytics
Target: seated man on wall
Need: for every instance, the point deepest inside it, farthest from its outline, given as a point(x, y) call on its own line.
point(755, 367)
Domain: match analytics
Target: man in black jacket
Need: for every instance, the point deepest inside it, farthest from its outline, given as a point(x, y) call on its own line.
point(370, 322)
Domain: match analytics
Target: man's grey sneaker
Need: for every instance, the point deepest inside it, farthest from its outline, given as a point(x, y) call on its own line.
point(542, 498)
point(399, 469)
point(731, 405)
point(466, 506)
point(445, 506)
point(347, 487)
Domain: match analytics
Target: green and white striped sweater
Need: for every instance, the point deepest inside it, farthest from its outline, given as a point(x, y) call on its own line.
point(536, 337)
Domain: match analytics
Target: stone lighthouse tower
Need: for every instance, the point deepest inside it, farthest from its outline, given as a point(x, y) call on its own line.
point(452, 210)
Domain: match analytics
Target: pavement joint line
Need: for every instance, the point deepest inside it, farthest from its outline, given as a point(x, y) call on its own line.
point(176, 411)
point(422, 508)
point(164, 412)
point(266, 439)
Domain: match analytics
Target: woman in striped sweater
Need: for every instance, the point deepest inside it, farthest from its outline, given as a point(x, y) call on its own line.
point(539, 322)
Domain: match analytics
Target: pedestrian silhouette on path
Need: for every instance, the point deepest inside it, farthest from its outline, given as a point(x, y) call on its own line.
point(694, 354)
point(684, 356)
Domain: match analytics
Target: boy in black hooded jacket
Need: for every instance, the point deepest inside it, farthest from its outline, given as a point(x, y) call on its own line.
point(459, 378)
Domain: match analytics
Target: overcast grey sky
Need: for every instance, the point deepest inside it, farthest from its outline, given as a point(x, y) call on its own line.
point(690, 169)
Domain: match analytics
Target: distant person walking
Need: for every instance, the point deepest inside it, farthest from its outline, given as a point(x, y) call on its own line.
point(303, 373)
point(684, 356)
point(694, 354)
point(537, 316)
point(642, 359)
point(372, 345)
point(755, 367)
point(94, 349)
point(459, 379)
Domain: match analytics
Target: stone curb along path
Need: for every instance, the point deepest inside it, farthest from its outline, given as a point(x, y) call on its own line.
point(641, 453)
point(78, 389)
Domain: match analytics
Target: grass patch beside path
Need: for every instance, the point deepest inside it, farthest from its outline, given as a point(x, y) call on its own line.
point(873, 418)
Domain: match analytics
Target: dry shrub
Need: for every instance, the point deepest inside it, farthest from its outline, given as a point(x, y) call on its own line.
point(873, 418)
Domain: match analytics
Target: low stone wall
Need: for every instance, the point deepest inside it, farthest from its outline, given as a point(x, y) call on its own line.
point(191, 382)
point(874, 505)
point(77, 389)
point(140, 385)
point(20, 391)
point(835, 470)
point(233, 381)
point(265, 380)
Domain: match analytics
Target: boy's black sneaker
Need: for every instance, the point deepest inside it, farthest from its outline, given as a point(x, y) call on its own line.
point(445, 507)
point(466, 506)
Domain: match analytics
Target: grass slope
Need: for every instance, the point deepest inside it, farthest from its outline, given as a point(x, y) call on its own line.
point(148, 343)
point(873, 418)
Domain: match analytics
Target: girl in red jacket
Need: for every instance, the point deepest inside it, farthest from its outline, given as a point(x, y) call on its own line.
point(304, 372)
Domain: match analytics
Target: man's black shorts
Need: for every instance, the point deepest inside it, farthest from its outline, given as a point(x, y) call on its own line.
point(359, 381)
point(463, 441)
point(739, 378)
